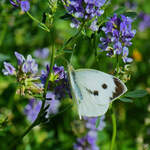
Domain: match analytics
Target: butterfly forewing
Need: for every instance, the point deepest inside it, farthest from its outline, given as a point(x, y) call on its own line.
point(94, 90)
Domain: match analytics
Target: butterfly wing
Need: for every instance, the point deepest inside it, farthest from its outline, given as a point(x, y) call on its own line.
point(94, 90)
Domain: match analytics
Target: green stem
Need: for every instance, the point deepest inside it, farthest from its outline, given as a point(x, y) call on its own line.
point(42, 25)
point(37, 121)
point(3, 33)
point(114, 130)
point(51, 67)
point(117, 65)
point(113, 116)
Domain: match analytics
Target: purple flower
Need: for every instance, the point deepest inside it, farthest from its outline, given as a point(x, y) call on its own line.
point(85, 10)
point(32, 109)
point(88, 142)
point(118, 34)
point(24, 4)
point(59, 71)
point(94, 26)
point(92, 137)
point(30, 65)
point(54, 104)
point(125, 54)
point(9, 69)
point(75, 23)
point(15, 4)
point(145, 21)
point(91, 123)
point(131, 5)
point(60, 83)
point(20, 58)
point(41, 53)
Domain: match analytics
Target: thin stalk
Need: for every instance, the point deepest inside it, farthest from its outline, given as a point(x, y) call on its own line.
point(117, 65)
point(113, 116)
point(114, 130)
point(51, 67)
point(3, 33)
point(42, 25)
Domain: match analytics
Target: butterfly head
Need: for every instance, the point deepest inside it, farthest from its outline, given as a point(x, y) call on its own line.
point(70, 68)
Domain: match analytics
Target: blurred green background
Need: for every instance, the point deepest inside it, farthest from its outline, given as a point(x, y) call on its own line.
point(19, 33)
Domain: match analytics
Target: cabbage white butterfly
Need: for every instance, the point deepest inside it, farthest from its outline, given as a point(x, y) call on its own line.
point(94, 90)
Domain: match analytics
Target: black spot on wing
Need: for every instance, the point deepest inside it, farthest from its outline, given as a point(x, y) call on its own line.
point(119, 89)
point(104, 86)
point(95, 92)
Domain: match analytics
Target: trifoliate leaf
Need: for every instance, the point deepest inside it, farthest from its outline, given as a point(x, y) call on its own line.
point(126, 100)
point(136, 94)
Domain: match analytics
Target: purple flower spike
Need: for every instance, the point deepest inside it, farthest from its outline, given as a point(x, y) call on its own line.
point(9, 69)
point(118, 34)
point(20, 58)
point(42, 53)
point(88, 142)
point(85, 9)
point(25, 6)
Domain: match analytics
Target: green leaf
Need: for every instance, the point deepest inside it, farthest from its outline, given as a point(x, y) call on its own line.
point(126, 100)
point(3, 57)
point(130, 14)
point(98, 122)
point(120, 11)
point(136, 94)
point(68, 51)
point(66, 17)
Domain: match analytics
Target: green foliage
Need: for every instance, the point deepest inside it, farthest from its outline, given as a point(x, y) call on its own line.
point(20, 33)
point(136, 94)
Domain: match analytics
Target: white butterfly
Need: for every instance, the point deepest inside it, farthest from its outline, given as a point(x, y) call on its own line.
point(94, 90)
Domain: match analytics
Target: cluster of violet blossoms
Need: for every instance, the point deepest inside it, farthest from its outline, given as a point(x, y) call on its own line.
point(25, 66)
point(57, 91)
point(61, 85)
point(24, 4)
point(83, 10)
point(145, 21)
point(88, 142)
point(26, 73)
point(118, 35)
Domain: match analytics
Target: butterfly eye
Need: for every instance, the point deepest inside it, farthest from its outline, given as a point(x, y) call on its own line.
point(104, 86)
